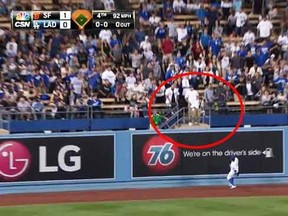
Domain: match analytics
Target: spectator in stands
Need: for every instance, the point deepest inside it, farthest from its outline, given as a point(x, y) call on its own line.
point(220, 96)
point(154, 20)
point(212, 17)
point(167, 10)
point(283, 42)
point(38, 109)
point(209, 95)
point(264, 28)
point(241, 19)
point(133, 107)
point(95, 103)
point(77, 88)
point(172, 95)
point(193, 5)
point(192, 98)
point(144, 15)
point(136, 59)
point(178, 6)
point(3, 9)
point(226, 6)
point(167, 47)
point(24, 108)
point(160, 96)
point(172, 29)
point(237, 5)
point(201, 14)
point(161, 31)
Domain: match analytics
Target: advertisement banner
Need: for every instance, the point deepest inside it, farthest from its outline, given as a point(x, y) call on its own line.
point(57, 158)
point(258, 152)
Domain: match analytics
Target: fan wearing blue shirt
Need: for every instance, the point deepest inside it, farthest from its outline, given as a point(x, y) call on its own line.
point(180, 61)
point(170, 72)
point(205, 39)
point(144, 14)
point(115, 41)
point(260, 57)
point(242, 52)
point(160, 32)
point(45, 78)
point(95, 103)
point(215, 45)
point(94, 80)
point(201, 14)
point(139, 35)
point(37, 79)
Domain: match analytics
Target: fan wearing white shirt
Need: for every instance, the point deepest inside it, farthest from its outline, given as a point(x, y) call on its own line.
point(249, 37)
point(154, 20)
point(241, 19)
point(178, 6)
point(109, 75)
point(200, 65)
point(192, 97)
point(182, 33)
point(172, 95)
point(264, 27)
point(130, 81)
point(12, 48)
point(105, 35)
point(145, 45)
point(283, 41)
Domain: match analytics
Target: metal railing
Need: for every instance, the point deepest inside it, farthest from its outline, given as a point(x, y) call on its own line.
point(71, 112)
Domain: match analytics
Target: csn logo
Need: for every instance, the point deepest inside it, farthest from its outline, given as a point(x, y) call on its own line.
point(15, 160)
point(159, 155)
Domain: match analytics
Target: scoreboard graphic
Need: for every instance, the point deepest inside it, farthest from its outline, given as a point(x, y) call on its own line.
point(75, 20)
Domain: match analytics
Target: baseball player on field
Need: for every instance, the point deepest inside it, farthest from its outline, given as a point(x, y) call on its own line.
point(234, 171)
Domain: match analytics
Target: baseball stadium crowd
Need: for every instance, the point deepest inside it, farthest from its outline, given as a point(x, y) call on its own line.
point(73, 70)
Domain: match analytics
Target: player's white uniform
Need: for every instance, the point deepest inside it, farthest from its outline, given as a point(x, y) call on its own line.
point(234, 168)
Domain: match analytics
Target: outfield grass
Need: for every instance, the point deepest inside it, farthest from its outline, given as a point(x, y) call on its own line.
point(264, 206)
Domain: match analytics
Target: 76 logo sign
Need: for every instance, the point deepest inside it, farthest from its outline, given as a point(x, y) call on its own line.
point(159, 155)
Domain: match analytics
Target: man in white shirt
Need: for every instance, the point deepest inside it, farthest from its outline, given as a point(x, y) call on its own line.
point(241, 19)
point(109, 75)
point(249, 37)
point(77, 87)
point(182, 33)
point(264, 27)
point(192, 97)
point(283, 41)
point(130, 80)
point(145, 45)
point(12, 48)
point(154, 20)
point(105, 35)
point(172, 95)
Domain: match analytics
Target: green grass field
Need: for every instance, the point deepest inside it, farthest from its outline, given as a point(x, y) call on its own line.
point(258, 206)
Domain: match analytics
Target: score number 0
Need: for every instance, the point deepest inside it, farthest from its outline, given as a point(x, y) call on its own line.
point(99, 24)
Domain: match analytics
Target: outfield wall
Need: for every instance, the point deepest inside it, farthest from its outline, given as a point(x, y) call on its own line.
point(138, 159)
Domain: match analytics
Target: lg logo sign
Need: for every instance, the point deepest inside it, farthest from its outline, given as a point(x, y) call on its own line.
point(15, 160)
point(75, 160)
point(159, 155)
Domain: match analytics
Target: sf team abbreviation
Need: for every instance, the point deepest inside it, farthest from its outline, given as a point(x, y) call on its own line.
point(75, 20)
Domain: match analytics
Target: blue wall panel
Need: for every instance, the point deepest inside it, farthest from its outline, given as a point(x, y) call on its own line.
point(249, 119)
